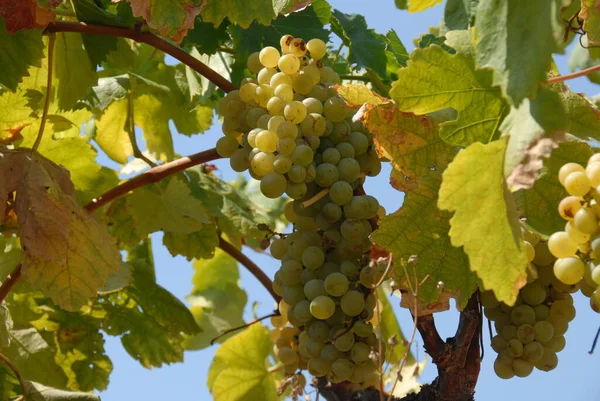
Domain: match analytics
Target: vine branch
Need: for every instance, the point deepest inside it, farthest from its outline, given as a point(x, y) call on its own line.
point(151, 176)
point(10, 282)
point(12, 367)
point(243, 326)
point(51, 43)
point(250, 265)
point(573, 75)
point(149, 39)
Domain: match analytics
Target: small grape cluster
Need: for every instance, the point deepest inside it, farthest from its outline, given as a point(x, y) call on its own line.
point(578, 246)
point(530, 333)
point(295, 134)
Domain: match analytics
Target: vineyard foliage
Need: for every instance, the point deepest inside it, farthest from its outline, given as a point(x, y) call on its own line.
point(475, 123)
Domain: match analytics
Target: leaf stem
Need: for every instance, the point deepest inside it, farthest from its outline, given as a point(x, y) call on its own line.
point(12, 367)
point(149, 39)
point(243, 326)
point(131, 131)
point(51, 42)
point(151, 176)
point(582, 73)
point(337, 53)
point(251, 266)
point(10, 282)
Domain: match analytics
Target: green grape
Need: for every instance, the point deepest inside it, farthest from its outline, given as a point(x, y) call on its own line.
point(548, 362)
point(287, 356)
point(576, 235)
point(285, 92)
point(311, 172)
point(253, 115)
point(293, 294)
point(326, 175)
point(295, 112)
point(533, 293)
point(504, 368)
point(226, 146)
point(297, 173)
point(307, 276)
point(262, 163)
point(314, 73)
point(556, 343)
point(275, 106)
point(317, 48)
point(262, 94)
point(337, 318)
point(493, 313)
point(569, 206)
point(533, 351)
point(596, 275)
point(331, 155)
point(509, 332)
point(278, 321)
point(593, 172)
point(360, 352)
point(318, 331)
point(349, 170)
point(349, 269)
point(273, 185)
point(280, 79)
point(562, 309)
point(352, 303)
point(359, 142)
point(543, 331)
point(266, 141)
point(282, 164)
point(530, 250)
point(254, 64)
point(278, 248)
point(303, 83)
point(336, 284)
point(525, 333)
point(567, 169)
point(313, 257)
point(522, 367)
point(586, 221)
point(317, 366)
point(302, 311)
point(340, 193)
point(286, 146)
point(290, 272)
point(328, 75)
point(343, 342)
point(269, 56)
point(289, 213)
point(515, 348)
point(352, 230)
point(313, 106)
point(322, 307)
point(263, 121)
point(335, 108)
point(313, 126)
point(306, 224)
point(522, 314)
point(239, 160)
point(298, 47)
point(264, 76)
point(342, 369)
point(543, 257)
point(330, 353)
point(561, 245)
point(341, 132)
point(302, 155)
point(357, 208)
point(283, 308)
point(296, 190)
point(498, 343)
point(577, 184)
point(247, 92)
point(234, 108)
point(594, 158)
point(569, 270)
point(346, 150)
point(332, 212)
point(314, 348)
point(318, 92)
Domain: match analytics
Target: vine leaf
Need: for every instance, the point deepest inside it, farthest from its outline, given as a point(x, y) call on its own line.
point(357, 95)
point(583, 116)
point(239, 372)
point(242, 12)
point(16, 113)
point(591, 20)
point(39, 392)
point(67, 254)
point(436, 80)
point(415, 6)
point(25, 14)
point(518, 42)
point(27, 44)
point(111, 131)
point(485, 221)
point(217, 300)
point(419, 228)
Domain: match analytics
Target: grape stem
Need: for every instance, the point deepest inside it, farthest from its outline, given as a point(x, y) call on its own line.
point(243, 326)
point(148, 38)
point(10, 282)
point(12, 367)
point(40, 134)
point(591, 351)
point(250, 265)
point(151, 176)
point(315, 198)
point(582, 73)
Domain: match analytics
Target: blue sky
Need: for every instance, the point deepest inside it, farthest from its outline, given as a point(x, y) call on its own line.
point(573, 380)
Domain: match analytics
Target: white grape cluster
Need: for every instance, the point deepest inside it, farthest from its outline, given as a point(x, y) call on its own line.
point(578, 246)
point(530, 333)
point(295, 134)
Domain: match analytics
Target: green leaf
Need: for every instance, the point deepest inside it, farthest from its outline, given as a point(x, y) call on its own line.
point(207, 38)
point(390, 330)
point(196, 245)
point(152, 116)
point(485, 221)
point(111, 131)
point(239, 12)
point(401, 4)
point(28, 45)
point(435, 80)
point(459, 13)
point(67, 254)
point(74, 73)
point(168, 206)
point(539, 203)
point(517, 41)
point(239, 372)
point(366, 48)
point(216, 298)
point(358, 94)
point(16, 112)
point(583, 115)
point(429, 40)
point(39, 392)
point(395, 46)
point(591, 20)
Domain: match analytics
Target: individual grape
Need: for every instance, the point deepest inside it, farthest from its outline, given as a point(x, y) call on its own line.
point(297, 174)
point(322, 307)
point(262, 163)
point(273, 185)
point(360, 352)
point(569, 270)
point(318, 331)
point(569, 206)
point(328, 75)
point(292, 294)
point(342, 369)
point(352, 303)
point(290, 273)
point(287, 356)
point(254, 64)
point(362, 329)
point(548, 362)
point(275, 106)
point(302, 312)
point(226, 146)
point(525, 333)
point(264, 76)
point(340, 193)
point(563, 310)
point(349, 269)
point(331, 155)
point(504, 368)
point(522, 367)
point(280, 79)
point(359, 142)
point(533, 351)
point(284, 92)
point(313, 106)
point(326, 175)
point(344, 340)
point(318, 367)
point(556, 343)
point(282, 164)
point(239, 160)
point(302, 84)
point(313, 126)
point(307, 276)
point(515, 348)
point(498, 343)
point(263, 121)
point(295, 112)
point(577, 184)
point(318, 92)
point(533, 293)
point(586, 221)
point(509, 332)
point(317, 48)
point(567, 169)
point(543, 331)
point(575, 234)
point(278, 321)
point(530, 250)
point(266, 141)
point(289, 64)
point(346, 150)
point(247, 92)
point(352, 230)
point(269, 56)
point(349, 169)
point(285, 42)
point(306, 224)
point(561, 245)
point(278, 248)
point(594, 158)
point(253, 115)
point(313, 257)
point(296, 190)
point(522, 314)
point(335, 109)
point(596, 275)
point(329, 353)
point(543, 257)
point(302, 155)
point(336, 284)
point(298, 47)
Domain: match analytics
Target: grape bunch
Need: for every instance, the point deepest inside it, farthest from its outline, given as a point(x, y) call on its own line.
point(291, 130)
point(530, 333)
point(578, 246)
